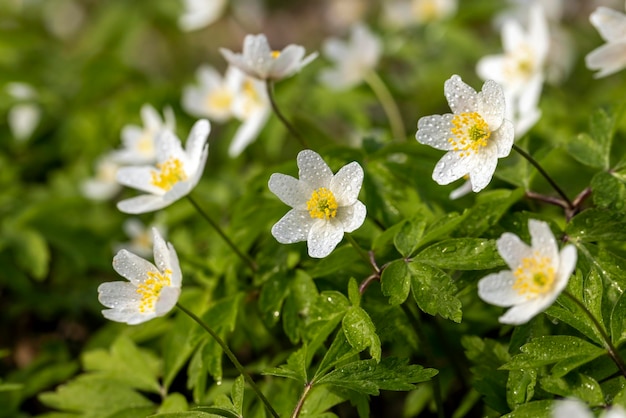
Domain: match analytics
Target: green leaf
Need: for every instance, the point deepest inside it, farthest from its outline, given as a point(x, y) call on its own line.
point(361, 332)
point(435, 292)
point(535, 409)
point(173, 402)
point(369, 376)
point(520, 386)
point(31, 252)
point(462, 254)
point(340, 350)
point(441, 227)
point(609, 191)
point(272, 296)
point(596, 225)
point(236, 394)
point(325, 314)
point(202, 412)
point(594, 149)
point(396, 282)
point(490, 207)
point(407, 239)
point(353, 292)
point(302, 295)
point(618, 321)
point(294, 369)
point(575, 385)
point(570, 351)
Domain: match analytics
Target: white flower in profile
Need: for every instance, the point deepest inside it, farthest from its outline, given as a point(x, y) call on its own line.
point(475, 134)
point(104, 185)
point(177, 171)
point(260, 61)
point(24, 116)
point(538, 274)
point(152, 289)
point(610, 57)
point(353, 59)
point(235, 95)
point(574, 408)
point(198, 14)
point(324, 205)
point(138, 143)
point(140, 237)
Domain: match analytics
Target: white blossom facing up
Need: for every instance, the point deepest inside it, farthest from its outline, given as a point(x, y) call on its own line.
point(138, 142)
point(260, 61)
point(475, 135)
point(610, 57)
point(353, 59)
point(538, 274)
point(104, 185)
point(177, 171)
point(151, 291)
point(324, 206)
point(198, 14)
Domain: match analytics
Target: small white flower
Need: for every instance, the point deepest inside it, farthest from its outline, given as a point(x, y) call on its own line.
point(538, 274)
point(236, 95)
point(406, 12)
point(198, 14)
point(354, 59)
point(177, 171)
point(574, 408)
point(151, 290)
point(475, 135)
point(324, 205)
point(610, 57)
point(139, 142)
point(104, 185)
point(260, 61)
point(24, 116)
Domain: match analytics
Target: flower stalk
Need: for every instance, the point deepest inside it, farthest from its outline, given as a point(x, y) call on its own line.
point(270, 93)
point(389, 105)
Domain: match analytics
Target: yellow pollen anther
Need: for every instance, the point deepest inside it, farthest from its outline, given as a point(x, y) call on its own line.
point(220, 99)
point(275, 54)
point(171, 173)
point(470, 133)
point(151, 288)
point(535, 276)
point(322, 204)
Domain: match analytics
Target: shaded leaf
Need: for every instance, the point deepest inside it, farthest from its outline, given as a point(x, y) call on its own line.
point(435, 292)
point(462, 254)
point(396, 282)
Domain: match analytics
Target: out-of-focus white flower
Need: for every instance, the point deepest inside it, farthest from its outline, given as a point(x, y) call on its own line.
point(403, 13)
point(520, 70)
point(138, 143)
point(574, 408)
point(24, 116)
point(198, 14)
point(104, 185)
point(63, 18)
point(140, 237)
point(610, 57)
point(151, 290)
point(345, 13)
point(324, 205)
point(353, 59)
point(475, 135)
point(538, 274)
point(236, 95)
point(260, 61)
point(177, 171)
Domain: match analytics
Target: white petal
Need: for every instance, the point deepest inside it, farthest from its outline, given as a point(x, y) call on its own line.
point(128, 316)
point(335, 49)
point(293, 227)
point(491, 104)
point(168, 146)
point(132, 267)
point(520, 314)
point(614, 411)
point(542, 240)
point(142, 204)
point(492, 67)
point(567, 264)
point(503, 138)
point(288, 62)
point(161, 251)
point(290, 190)
point(346, 184)
point(571, 408)
point(313, 170)
point(180, 189)
point(352, 217)
point(435, 131)
point(23, 120)
point(610, 23)
point(139, 178)
point(323, 238)
point(150, 117)
point(167, 300)
point(513, 250)
point(119, 295)
point(608, 58)
point(461, 97)
point(248, 132)
point(197, 139)
point(450, 167)
point(513, 36)
point(466, 188)
point(483, 165)
point(497, 289)
point(177, 276)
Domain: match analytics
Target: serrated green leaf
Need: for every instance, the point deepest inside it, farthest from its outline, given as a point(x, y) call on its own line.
point(407, 239)
point(609, 191)
point(273, 294)
point(302, 295)
point(361, 332)
point(325, 314)
point(396, 282)
point(550, 349)
point(435, 292)
point(520, 386)
point(294, 369)
point(597, 225)
point(339, 351)
point(369, 376)
point(462, 254)
point(575, 385)
point(594, 149)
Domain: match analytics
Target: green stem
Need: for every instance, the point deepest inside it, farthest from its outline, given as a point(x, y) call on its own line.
point(359, 250)
point(270, 94)
point(607, 341)
point(543, 172)
point(300, 404)
point(232, 358)
point(388, 103)
point(217, 228)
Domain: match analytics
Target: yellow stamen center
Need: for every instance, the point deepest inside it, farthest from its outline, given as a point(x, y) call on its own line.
point(470, 131)
point(171, 173)
point(220, 99)
point(151, 289)
point(535, 276)
point(145, 145)
point(275, 54)
point(322, 204)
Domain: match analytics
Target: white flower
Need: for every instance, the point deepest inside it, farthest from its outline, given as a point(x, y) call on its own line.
point(464, 189)
point(151, 290)
point(177, 171)
point(324, 205)
point(198, 14)
point(406, 12)
point(24, 116)
point(139, 142)
point(104, 185)
point(610, 57)
point(140, 237)
point(236, 95)
point(574, 408)
point(475, 135)
point(354, 59)
point(260, 61)
point(538, 274)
